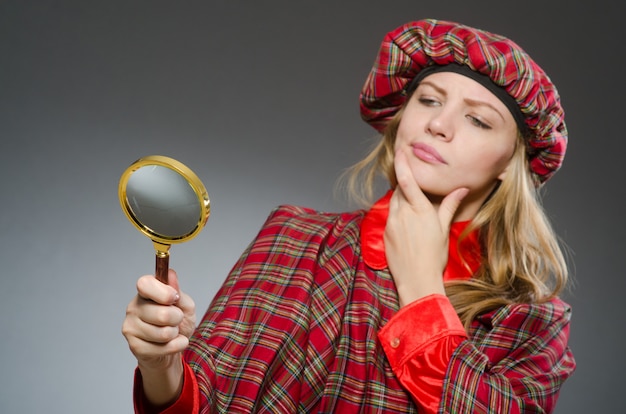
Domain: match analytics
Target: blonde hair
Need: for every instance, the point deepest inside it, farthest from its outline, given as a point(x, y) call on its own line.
point(359, 179)
point(522, 257)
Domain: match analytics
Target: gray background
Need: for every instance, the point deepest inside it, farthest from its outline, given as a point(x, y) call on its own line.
point(260, 100)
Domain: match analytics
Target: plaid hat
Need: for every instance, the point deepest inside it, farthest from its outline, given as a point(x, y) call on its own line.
point(414, 46)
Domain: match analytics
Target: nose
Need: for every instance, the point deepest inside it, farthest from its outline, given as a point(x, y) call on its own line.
point(441, 125)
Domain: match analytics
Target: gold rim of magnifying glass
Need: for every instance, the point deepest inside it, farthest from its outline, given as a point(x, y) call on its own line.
point(193, 180)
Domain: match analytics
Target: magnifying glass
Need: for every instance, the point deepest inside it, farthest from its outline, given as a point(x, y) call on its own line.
point(166, 201)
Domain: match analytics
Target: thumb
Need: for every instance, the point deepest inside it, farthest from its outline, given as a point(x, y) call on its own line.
point(449, 205)
point(185, 303)
point(172, 280)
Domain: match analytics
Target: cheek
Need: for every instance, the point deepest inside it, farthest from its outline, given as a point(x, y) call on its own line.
point(400, 132)
point(405, 132)
point(399, 139)
point(494, 162)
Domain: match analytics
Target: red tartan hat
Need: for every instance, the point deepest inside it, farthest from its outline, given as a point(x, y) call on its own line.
point(414, 46)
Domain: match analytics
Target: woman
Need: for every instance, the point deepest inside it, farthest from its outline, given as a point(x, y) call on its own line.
point(443, 296)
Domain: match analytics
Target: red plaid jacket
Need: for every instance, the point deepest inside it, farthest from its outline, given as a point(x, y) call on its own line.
point(297, 327)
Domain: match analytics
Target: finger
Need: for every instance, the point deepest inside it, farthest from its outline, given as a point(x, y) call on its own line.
point(185, 302)
point(157, 334)
point(172, 278)
point(406, 181)
point(155, 314)
point(145, 325)
point(148, 287)
point(143, 349)
point(449, 206)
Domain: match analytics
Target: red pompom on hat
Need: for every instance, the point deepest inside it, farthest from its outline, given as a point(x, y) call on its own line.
point(414, 46)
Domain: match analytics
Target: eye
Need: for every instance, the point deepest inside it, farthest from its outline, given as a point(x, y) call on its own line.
point(477, 122)
point(427, 101)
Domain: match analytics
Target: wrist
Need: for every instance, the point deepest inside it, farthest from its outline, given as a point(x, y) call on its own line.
point(162, 383)
point(409, 293)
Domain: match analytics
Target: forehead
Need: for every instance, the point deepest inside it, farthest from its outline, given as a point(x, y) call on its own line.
point(451, 83)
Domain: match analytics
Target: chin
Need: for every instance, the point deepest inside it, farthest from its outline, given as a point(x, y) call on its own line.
point(434, 188)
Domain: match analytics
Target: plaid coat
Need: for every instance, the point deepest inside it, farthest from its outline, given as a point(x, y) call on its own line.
point(294, 329)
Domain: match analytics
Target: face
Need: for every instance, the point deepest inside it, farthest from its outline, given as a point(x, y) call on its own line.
point(456, 134)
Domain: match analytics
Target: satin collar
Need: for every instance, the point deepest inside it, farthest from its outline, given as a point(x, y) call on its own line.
point(373, 245)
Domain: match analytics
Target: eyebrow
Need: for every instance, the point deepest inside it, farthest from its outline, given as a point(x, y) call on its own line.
point(469, 101)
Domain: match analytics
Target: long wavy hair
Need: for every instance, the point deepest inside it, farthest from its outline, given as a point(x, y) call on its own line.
point(522, 262)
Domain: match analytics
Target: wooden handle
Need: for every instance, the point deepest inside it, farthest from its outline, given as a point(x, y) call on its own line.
point(162, 266)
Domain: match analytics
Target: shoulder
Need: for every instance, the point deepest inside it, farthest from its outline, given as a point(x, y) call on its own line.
point(297, 233)
point(297, 230)
point(291, 218)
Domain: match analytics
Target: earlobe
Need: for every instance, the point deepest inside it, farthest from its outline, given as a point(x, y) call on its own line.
point(503, 173)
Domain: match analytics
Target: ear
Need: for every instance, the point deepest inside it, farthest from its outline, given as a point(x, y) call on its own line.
point(503, 173)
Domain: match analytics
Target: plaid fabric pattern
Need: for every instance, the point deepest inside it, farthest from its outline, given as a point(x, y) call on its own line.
point(516, 362)
point(410, 48)
point(294, 327)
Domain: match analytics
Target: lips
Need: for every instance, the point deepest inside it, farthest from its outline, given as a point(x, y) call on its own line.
point(427, 153)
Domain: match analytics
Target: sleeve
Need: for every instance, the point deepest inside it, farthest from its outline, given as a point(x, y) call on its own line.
point(419, 341)
point(515, 362)
point(187, 402)
point(519, 366)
